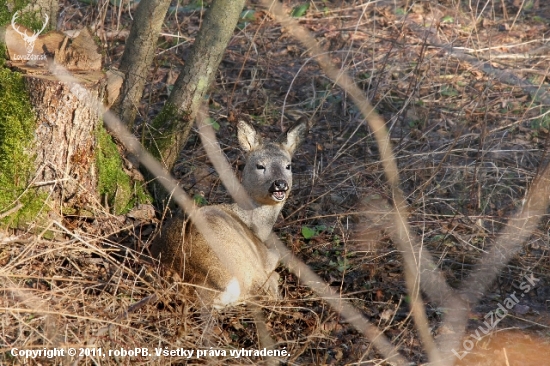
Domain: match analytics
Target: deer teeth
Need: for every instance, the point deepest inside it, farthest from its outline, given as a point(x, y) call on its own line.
point(279, 195)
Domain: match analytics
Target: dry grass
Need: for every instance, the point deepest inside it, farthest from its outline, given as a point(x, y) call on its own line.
point(468, 143)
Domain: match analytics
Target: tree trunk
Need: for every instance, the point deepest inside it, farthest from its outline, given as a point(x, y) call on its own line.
point(138, 56)
point(176, 119)
point(55, 156)
point(65, 144)
point(48, 147)
point(49, 7)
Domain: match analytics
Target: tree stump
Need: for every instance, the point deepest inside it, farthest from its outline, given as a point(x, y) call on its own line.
point(66, 145)
point(65, 138)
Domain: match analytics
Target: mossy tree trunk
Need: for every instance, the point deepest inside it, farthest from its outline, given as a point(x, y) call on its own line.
point(171, 128)
point(17, 203)
point(50, 7)
point(138, 55)
point(55, 157)
point(48, 148)
point(31, 13)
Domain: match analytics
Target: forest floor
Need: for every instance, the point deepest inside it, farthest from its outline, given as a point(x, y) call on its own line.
point(451, 81)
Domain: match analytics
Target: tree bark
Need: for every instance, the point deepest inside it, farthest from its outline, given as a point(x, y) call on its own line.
point(50, 7)
point(39, 8)
point(138, 56)
point(47, 139)
point(172, 126)
point(65, 145)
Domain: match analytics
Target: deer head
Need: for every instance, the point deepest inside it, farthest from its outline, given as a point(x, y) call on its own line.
point(29, 40)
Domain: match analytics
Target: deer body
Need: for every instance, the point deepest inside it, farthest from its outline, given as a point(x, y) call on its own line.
point(247, 267)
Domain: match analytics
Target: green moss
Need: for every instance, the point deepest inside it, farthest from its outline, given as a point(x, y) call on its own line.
point(3, 52)
point(30, 19)
point(167, 122)
point(17, 124)
point(114, 185)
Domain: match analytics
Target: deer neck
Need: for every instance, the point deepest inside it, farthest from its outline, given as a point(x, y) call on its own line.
point(259, 219)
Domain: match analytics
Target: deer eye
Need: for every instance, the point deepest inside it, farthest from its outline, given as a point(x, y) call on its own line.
point(260, 167)
point(288, 167)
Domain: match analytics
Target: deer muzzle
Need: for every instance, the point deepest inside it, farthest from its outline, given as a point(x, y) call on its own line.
point(278, 189)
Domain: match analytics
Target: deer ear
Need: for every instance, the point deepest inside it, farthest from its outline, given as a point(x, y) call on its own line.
point(247, 136)
point(294, 136)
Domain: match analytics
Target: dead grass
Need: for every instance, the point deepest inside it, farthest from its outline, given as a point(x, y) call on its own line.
point(468, 145)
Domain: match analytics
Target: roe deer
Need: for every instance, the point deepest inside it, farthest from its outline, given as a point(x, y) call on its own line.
point(248, 265)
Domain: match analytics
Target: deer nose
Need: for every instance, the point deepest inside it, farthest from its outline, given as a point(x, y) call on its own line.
point(279, 185)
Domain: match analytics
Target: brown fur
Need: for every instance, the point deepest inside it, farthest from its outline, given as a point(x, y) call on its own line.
point(248, 265)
